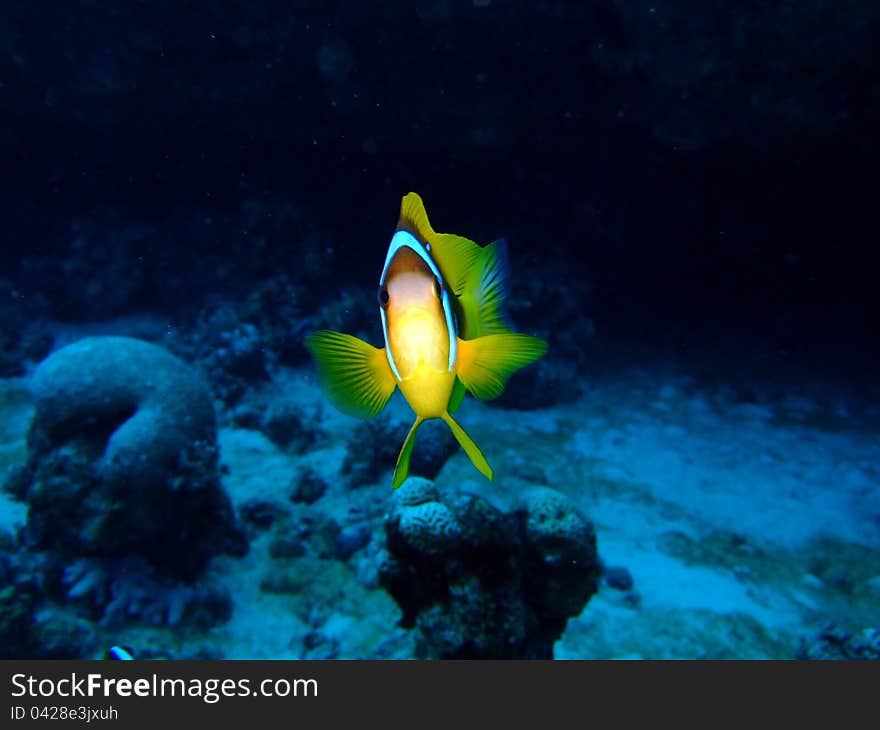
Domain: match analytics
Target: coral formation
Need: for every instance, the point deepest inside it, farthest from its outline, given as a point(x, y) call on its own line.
point(119, 591)
point(835, 642)
point(285, 426)
point(273, 307)
point(436, 446)
point(259, 515)
point(428, 529)
point(31, 626)
point(229, 351)
point(479, 583)
point(568, 331)
point(123, 459)
point(16, 611)
point(58, 633)
point(618, 577)
point(372, 446)
point(307, 487)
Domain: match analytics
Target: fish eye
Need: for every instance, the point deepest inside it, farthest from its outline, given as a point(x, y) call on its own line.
point(383, 296)
point(438, 287)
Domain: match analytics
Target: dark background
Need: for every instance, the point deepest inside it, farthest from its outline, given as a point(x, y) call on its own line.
point(692, 173)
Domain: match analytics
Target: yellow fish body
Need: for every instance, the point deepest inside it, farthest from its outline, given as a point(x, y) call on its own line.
point(440, 298)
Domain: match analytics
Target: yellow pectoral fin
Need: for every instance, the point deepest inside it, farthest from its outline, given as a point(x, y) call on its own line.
point(485, 364)
point(470, 448)
point(356, 376)
point(458, 393)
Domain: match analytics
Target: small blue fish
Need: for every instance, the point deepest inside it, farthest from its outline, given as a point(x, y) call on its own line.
point(119, 652)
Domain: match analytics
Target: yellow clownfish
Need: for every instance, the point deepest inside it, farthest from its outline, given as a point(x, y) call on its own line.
point(440, 298)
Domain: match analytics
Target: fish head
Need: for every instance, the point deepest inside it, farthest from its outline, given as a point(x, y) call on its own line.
point(415, 309)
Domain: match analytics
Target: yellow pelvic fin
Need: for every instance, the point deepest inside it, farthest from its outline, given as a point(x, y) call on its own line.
point(485, 364)
point(401, 468)
point(356, 376)
point(458, 393)
point(470, 448)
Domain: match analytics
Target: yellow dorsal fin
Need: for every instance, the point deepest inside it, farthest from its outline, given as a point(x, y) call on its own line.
point(356, 375)
point(492, 289)
point(455, 256)
point(414, 218)
point(483, 295)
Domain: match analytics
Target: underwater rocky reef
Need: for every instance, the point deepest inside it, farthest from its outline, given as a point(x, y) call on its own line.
point(684, 196)
point(481, 584)
point(275, 546)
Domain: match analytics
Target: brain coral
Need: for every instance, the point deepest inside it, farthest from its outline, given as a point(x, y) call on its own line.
point(419, 523)
point(561, 548)
point(476, 582)
point(415, 490)
point(134, 400)
point(554, 527)
point(122, 457)
point(429, 528)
